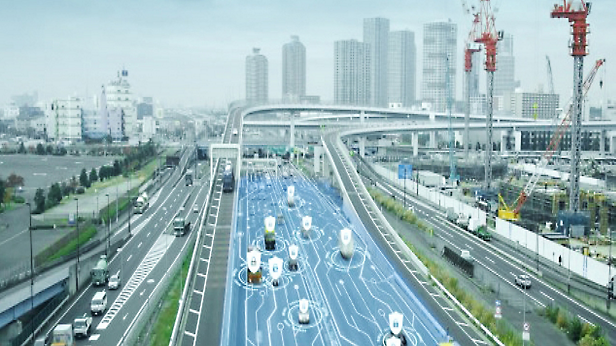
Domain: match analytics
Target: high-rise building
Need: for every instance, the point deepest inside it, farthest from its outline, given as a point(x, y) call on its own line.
point(504, 77)
point(439, 46)
point(376, 34)
point(63, 119)
point(351, 72)
point(293, 69)
point(118, 95)
point(532, 105)
point(402, 68)
point(256, 78)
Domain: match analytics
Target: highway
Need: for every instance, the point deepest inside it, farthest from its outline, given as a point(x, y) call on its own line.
point(349, 300)
point(202, 322)
point(499, 260)
point(142, 261)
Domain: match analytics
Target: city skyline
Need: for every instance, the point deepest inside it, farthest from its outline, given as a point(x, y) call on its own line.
point(192, 53)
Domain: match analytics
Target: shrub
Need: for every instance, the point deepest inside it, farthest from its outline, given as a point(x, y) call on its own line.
point(575, 329)
point(561, 320)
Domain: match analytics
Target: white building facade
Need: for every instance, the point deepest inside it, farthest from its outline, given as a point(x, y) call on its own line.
point(402, 68)
point(63, 119)
point(257, 88)
point(351, 73)
point(119, 95)
point(532, 105)
point(439, 53)
point(293, 70)
point(376, 35)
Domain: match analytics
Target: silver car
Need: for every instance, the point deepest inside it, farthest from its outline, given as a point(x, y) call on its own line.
point(523, 281)
point(114, 282)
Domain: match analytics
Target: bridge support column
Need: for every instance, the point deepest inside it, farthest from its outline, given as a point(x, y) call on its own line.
point(433, 144)
point(362, 147)
point(517, 137)
point(506, 138)
point(415, 139)
point(292, 136)
point(602, 135)
point(318, 156)
point(362, 116)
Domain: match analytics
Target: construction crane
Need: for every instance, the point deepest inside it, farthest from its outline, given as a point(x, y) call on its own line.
point(577, 17)
point(507, 213)
point(471, 47)
point(489, 38)
point(550, 77)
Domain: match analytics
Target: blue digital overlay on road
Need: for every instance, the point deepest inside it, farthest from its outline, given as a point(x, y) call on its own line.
point(349, 300)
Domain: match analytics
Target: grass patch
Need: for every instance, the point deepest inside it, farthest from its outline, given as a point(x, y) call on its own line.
point(163, 325)
point(581, 333)
point(84, 236)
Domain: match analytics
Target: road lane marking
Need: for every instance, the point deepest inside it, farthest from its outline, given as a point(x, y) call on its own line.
point(138, 246)
point(129, 257)
point(489, 259)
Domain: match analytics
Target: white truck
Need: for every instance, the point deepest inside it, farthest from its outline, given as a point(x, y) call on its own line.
point(82, 326)
point(62, 335)
point(142, 203)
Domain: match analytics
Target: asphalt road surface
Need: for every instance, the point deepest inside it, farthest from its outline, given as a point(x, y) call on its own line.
point(350, 300)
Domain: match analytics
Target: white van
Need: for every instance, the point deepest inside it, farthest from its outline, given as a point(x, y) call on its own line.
point(98, 306)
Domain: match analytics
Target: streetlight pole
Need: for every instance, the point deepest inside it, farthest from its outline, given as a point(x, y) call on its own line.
point(77, 267)
point(31, 271)
point(108, 227)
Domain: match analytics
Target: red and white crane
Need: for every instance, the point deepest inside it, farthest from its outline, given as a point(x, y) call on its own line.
point(489, 38)
point(471, 47)
point(576, 11)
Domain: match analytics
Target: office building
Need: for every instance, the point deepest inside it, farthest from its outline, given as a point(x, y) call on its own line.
point(256, 78)
point(118, 95)
point(532, 105)
point(293, 70)
point(504, 77)
point(376, 35)
point(63, 119)
point(439, 53)
point(401, 68)
point(351, 72)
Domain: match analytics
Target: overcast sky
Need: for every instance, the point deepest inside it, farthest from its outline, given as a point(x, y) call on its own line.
point(192, 52)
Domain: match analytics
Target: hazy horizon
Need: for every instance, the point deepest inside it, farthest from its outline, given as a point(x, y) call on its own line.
point(192, 52)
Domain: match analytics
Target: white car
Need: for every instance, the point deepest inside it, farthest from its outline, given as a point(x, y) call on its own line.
point(235, 132)
point(523, 281)
point(114, 282)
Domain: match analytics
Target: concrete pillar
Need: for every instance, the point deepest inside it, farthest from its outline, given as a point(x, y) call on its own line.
point(433, 139)
point(318, 151)
point(415, 139)
point(362, 116)
point(292, 136)
point(517, 135)
point(612, 144)
point(362, 147)
point(602, 135)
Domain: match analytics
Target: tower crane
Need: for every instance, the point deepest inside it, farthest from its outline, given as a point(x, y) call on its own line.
point(508, 213)
point(471, 47)
point(489, 38)
point(550, 77)
point(577, 16)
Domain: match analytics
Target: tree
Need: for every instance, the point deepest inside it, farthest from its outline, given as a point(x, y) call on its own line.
point(83, 179)
point(49, 149)
point(117, 169)
point(14, 180)
point(478, 146)
point(39, 201)
point(22, 148)
point(40, 150)
point(55, 194)
point(93, 176)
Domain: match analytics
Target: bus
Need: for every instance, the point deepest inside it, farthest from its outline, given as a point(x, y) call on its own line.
point(228, 180)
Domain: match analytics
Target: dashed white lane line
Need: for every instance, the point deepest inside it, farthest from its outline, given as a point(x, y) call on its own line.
point(489, 259)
